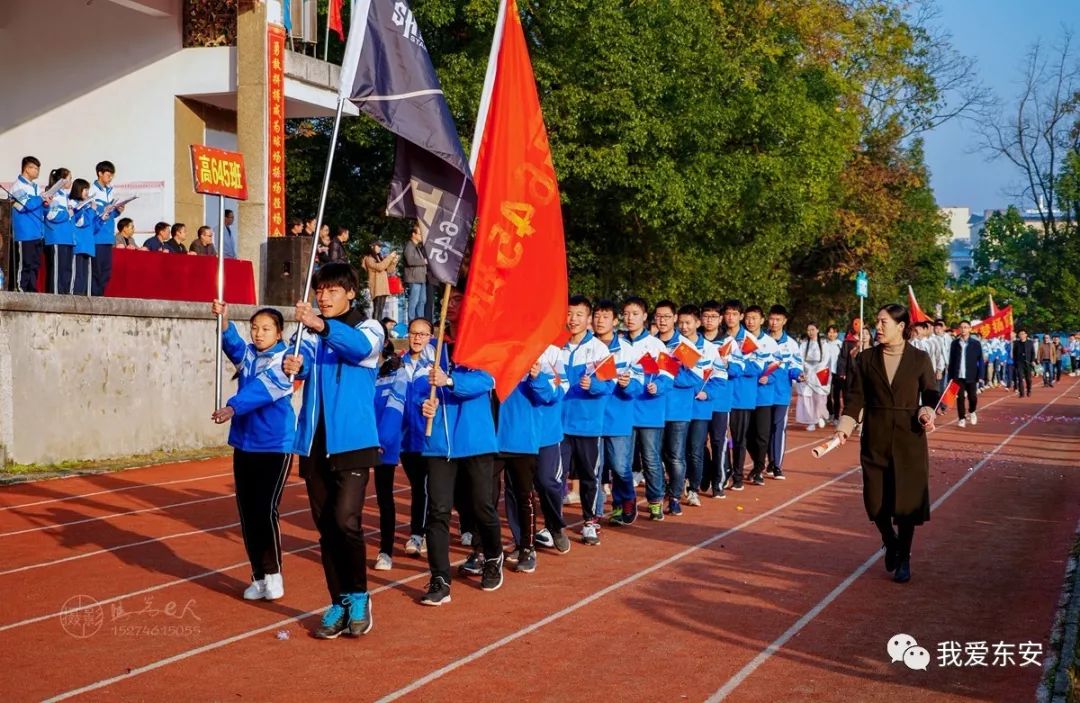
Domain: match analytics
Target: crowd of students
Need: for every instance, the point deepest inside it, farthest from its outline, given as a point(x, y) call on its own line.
point(71, 226)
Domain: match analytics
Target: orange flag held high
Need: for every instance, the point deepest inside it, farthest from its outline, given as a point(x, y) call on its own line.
point(916, 313)
point(334, 18)
point(515, 298)
point(687, 354)
point(749, 344)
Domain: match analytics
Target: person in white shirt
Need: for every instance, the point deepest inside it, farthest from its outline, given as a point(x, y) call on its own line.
point(819, 360)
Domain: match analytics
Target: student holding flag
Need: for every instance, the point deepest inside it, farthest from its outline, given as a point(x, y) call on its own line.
point(744, 388)
point(416, 364)
point(790, 369)
point(649, 406)
point(703, 363)
point(583, 409)
point(815, 382)
point(680, 401)
point(892, 391)
point(618, 425)
point(762, 352)
point(729, 367)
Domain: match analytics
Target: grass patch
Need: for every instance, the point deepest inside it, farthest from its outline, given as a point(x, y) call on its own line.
point(15, 473)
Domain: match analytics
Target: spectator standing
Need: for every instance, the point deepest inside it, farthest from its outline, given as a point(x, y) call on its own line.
point(415, 274)
point(1024, 357)
point(378, 282)
point(204, 243)
point(228, 237)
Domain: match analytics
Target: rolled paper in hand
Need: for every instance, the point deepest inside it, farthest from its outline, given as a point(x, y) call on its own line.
point(826, 447)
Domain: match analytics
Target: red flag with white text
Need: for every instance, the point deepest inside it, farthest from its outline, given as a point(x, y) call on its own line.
point(515, 299)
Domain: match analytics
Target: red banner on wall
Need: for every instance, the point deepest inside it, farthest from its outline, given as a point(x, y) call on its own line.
point(218, 172)
point(275, 91)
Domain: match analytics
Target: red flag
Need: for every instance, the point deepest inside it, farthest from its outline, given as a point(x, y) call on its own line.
point(948, 398)
point(993, 307)
point(749, 344)
point(605, 370)
point(915, 312)
point(823, 376)
point(668, 363)
point(515, 299)
point(725, 351)
point(771, 367)
point(648, 364)
point(687, 354)
point(334, 18)
point(706, 374)
point(561, 338)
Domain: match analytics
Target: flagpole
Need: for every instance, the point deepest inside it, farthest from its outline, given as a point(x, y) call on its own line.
point(438, 351)
point(221, 297)
point(319, 218)
point(326, 44)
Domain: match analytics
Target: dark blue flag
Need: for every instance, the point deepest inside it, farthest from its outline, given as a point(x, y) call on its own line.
point(388, 75)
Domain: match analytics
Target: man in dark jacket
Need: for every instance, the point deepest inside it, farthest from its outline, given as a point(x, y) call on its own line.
point(965, 364)
point(1023, 353)
point(415, 274)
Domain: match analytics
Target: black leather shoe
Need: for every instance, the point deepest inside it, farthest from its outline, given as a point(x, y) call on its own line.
point(903, 572)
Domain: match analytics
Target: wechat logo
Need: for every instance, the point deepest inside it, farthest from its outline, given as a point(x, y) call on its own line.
point(904, 648)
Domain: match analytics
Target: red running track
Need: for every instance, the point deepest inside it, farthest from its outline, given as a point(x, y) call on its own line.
point(776, 593)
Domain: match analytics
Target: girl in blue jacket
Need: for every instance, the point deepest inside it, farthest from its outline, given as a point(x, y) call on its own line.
point(59, 237)
point(261, 435)
point(82, 226)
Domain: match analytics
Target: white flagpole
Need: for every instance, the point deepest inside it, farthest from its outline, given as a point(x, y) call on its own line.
point(221, 297)
point(489, 86)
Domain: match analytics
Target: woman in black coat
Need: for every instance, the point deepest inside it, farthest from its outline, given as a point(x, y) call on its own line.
point(892, 391)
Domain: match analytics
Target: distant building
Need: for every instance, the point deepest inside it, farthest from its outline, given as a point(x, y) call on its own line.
point(962, 238)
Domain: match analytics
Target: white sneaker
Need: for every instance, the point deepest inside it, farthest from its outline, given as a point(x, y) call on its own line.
point(275, 586)
point(383, 562)
point(414, 546)
point(543, 538)
point(466, 539)
point(811, 428)
point(607, 489)
point(974, 419)
point(962, 423)
point(639, 478)
point(256, 591)
point(821, 422)
point(693, 499)
point(572, 498)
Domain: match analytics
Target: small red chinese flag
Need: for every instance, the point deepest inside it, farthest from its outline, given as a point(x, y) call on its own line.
point(706, 374)
point(687, 354)
point(648, 364)
point(749, 344)
point(771, 367)
point(823, 376)
point(725, 350)
point(605, 370)
point(948, 398)
point(668, 364)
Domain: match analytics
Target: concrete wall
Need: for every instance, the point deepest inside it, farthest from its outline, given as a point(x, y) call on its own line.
point(94, 378)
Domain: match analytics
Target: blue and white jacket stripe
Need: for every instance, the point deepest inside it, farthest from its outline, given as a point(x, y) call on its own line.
point(264, 420)
point(339, 370)
point(28, 211)
point(680, 399)
point(649, 409)
point(583, 410)
point(390, 392)
point(59, 224)
point(791, 367)
point(619, 411)
point(104, 228)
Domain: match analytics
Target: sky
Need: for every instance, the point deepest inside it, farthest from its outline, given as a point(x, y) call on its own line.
point(998, 35)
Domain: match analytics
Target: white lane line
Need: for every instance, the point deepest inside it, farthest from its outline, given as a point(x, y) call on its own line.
point(176, 535)
point(752, 666)
point(110, 516)
point(113, 490)
point(314, 546)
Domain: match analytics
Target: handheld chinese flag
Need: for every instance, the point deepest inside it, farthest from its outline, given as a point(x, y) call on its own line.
point(668, 363)
point(605, 370)
point(648, 364)
point(749, 344)
point(916, 313)
point(687, 354)
point(823, 376)
point(515, 299)
point(948, 398)
point(725, 350)
point(334, 18)
point(771, 367)
point(706, 374)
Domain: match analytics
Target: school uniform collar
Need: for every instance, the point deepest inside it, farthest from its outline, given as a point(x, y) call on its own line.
point(634, 340)
point(104, 189)
point(279, 347)
point(584, 340)
point(673, 342)
point(28, 182)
